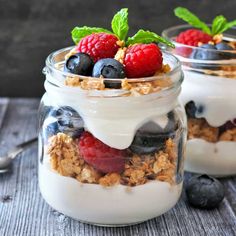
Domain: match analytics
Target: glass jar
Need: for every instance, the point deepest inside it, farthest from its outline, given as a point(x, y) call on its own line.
point(209, 97)
point(133, 170)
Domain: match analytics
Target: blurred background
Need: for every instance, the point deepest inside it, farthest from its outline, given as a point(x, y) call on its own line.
point(30, 30)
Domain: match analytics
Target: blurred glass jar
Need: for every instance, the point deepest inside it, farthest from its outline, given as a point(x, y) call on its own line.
point(133, 170)
point(209, 97)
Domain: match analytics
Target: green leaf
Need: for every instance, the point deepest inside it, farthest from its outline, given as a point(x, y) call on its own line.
point(218, 24)
point(143, 36)
point(191, 19)
point(228, 25)
point(119, 24)
point(80, 32)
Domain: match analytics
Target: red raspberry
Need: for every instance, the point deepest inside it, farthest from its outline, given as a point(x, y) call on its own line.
point(99, 45)
point(101, 156)
point(192, 37)
point(142, 60)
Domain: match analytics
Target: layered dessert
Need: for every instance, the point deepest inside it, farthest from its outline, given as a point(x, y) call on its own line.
point(112, 132)
point(208, 55)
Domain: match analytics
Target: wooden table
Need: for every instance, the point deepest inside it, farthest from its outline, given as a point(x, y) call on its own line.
point(23, 212)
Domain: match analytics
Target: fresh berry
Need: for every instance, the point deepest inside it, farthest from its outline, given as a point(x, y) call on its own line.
point(102, 157)
point(50, 129)
point(142, 60)
point(64, 111)
point(172, 123)
point(109, 68)
point(192, 37)
point(80, 64)
point(223, 46)
point(202, 53)
point(183, 51)
point(99, 45)
point(204, 192)
point(192, 109)
point(66, 120)
point(150, 138)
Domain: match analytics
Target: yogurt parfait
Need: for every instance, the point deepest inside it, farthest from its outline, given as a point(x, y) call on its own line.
point(112, 132)
point(208, 56)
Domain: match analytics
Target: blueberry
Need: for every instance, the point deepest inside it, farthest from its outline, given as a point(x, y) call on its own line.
point(223, 46)
point(225, 55)
point(109, 68)
point(67, 121)
point(190, 109)
point(80, 64)
point(51, 129)
point(150, 138)
point(64, 111)
point(203, 53)
point(200, 109)
point(204, 192)
point(172, 123)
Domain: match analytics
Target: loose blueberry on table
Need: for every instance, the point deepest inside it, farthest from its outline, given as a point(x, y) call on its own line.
point(204, 192)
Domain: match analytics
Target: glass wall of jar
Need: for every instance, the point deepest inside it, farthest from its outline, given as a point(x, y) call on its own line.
point(111, 156)
point(209, 97)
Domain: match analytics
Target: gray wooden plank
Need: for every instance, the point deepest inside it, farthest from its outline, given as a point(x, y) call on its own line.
point(24, 213)
point(3, 107)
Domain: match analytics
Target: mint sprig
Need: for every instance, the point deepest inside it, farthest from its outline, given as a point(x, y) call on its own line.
point(119, 24)
point(191, 19)
point(143, 36)
point(219, 23)
point(120, 28)
point(80, 32)
point(227, 26)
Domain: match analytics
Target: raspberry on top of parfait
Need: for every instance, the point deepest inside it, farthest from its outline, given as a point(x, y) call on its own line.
point(102, 53)
point(204, 36)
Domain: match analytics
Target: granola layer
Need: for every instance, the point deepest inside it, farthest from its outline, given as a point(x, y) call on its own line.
point(66, 160)
point(199, 128)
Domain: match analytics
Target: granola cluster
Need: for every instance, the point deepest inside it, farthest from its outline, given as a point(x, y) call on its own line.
point(66, 160)
point(199, 128)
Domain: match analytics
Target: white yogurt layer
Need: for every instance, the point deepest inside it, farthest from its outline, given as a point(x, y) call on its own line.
point(216, 94)
point(114, 120)
point(211, 158)
point(106, 205)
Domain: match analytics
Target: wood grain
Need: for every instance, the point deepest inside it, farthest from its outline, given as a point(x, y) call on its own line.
point(23, 212)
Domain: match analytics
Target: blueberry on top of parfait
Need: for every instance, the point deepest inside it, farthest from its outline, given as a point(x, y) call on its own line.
point(109, 68)
point(79, 64)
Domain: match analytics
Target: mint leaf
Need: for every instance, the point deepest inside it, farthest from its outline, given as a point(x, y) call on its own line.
point(227, 26)
point(191, 19)
point(119, 23)
point(80, 32)
point(218, 24)
point(143, 36)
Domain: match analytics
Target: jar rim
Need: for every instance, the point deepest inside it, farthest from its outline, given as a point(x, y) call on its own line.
point(52, 66)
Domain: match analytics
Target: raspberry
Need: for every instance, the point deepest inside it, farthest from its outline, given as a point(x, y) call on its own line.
point(101, 156)
point(192, 37)
point(142, 60)
point(98, 45)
